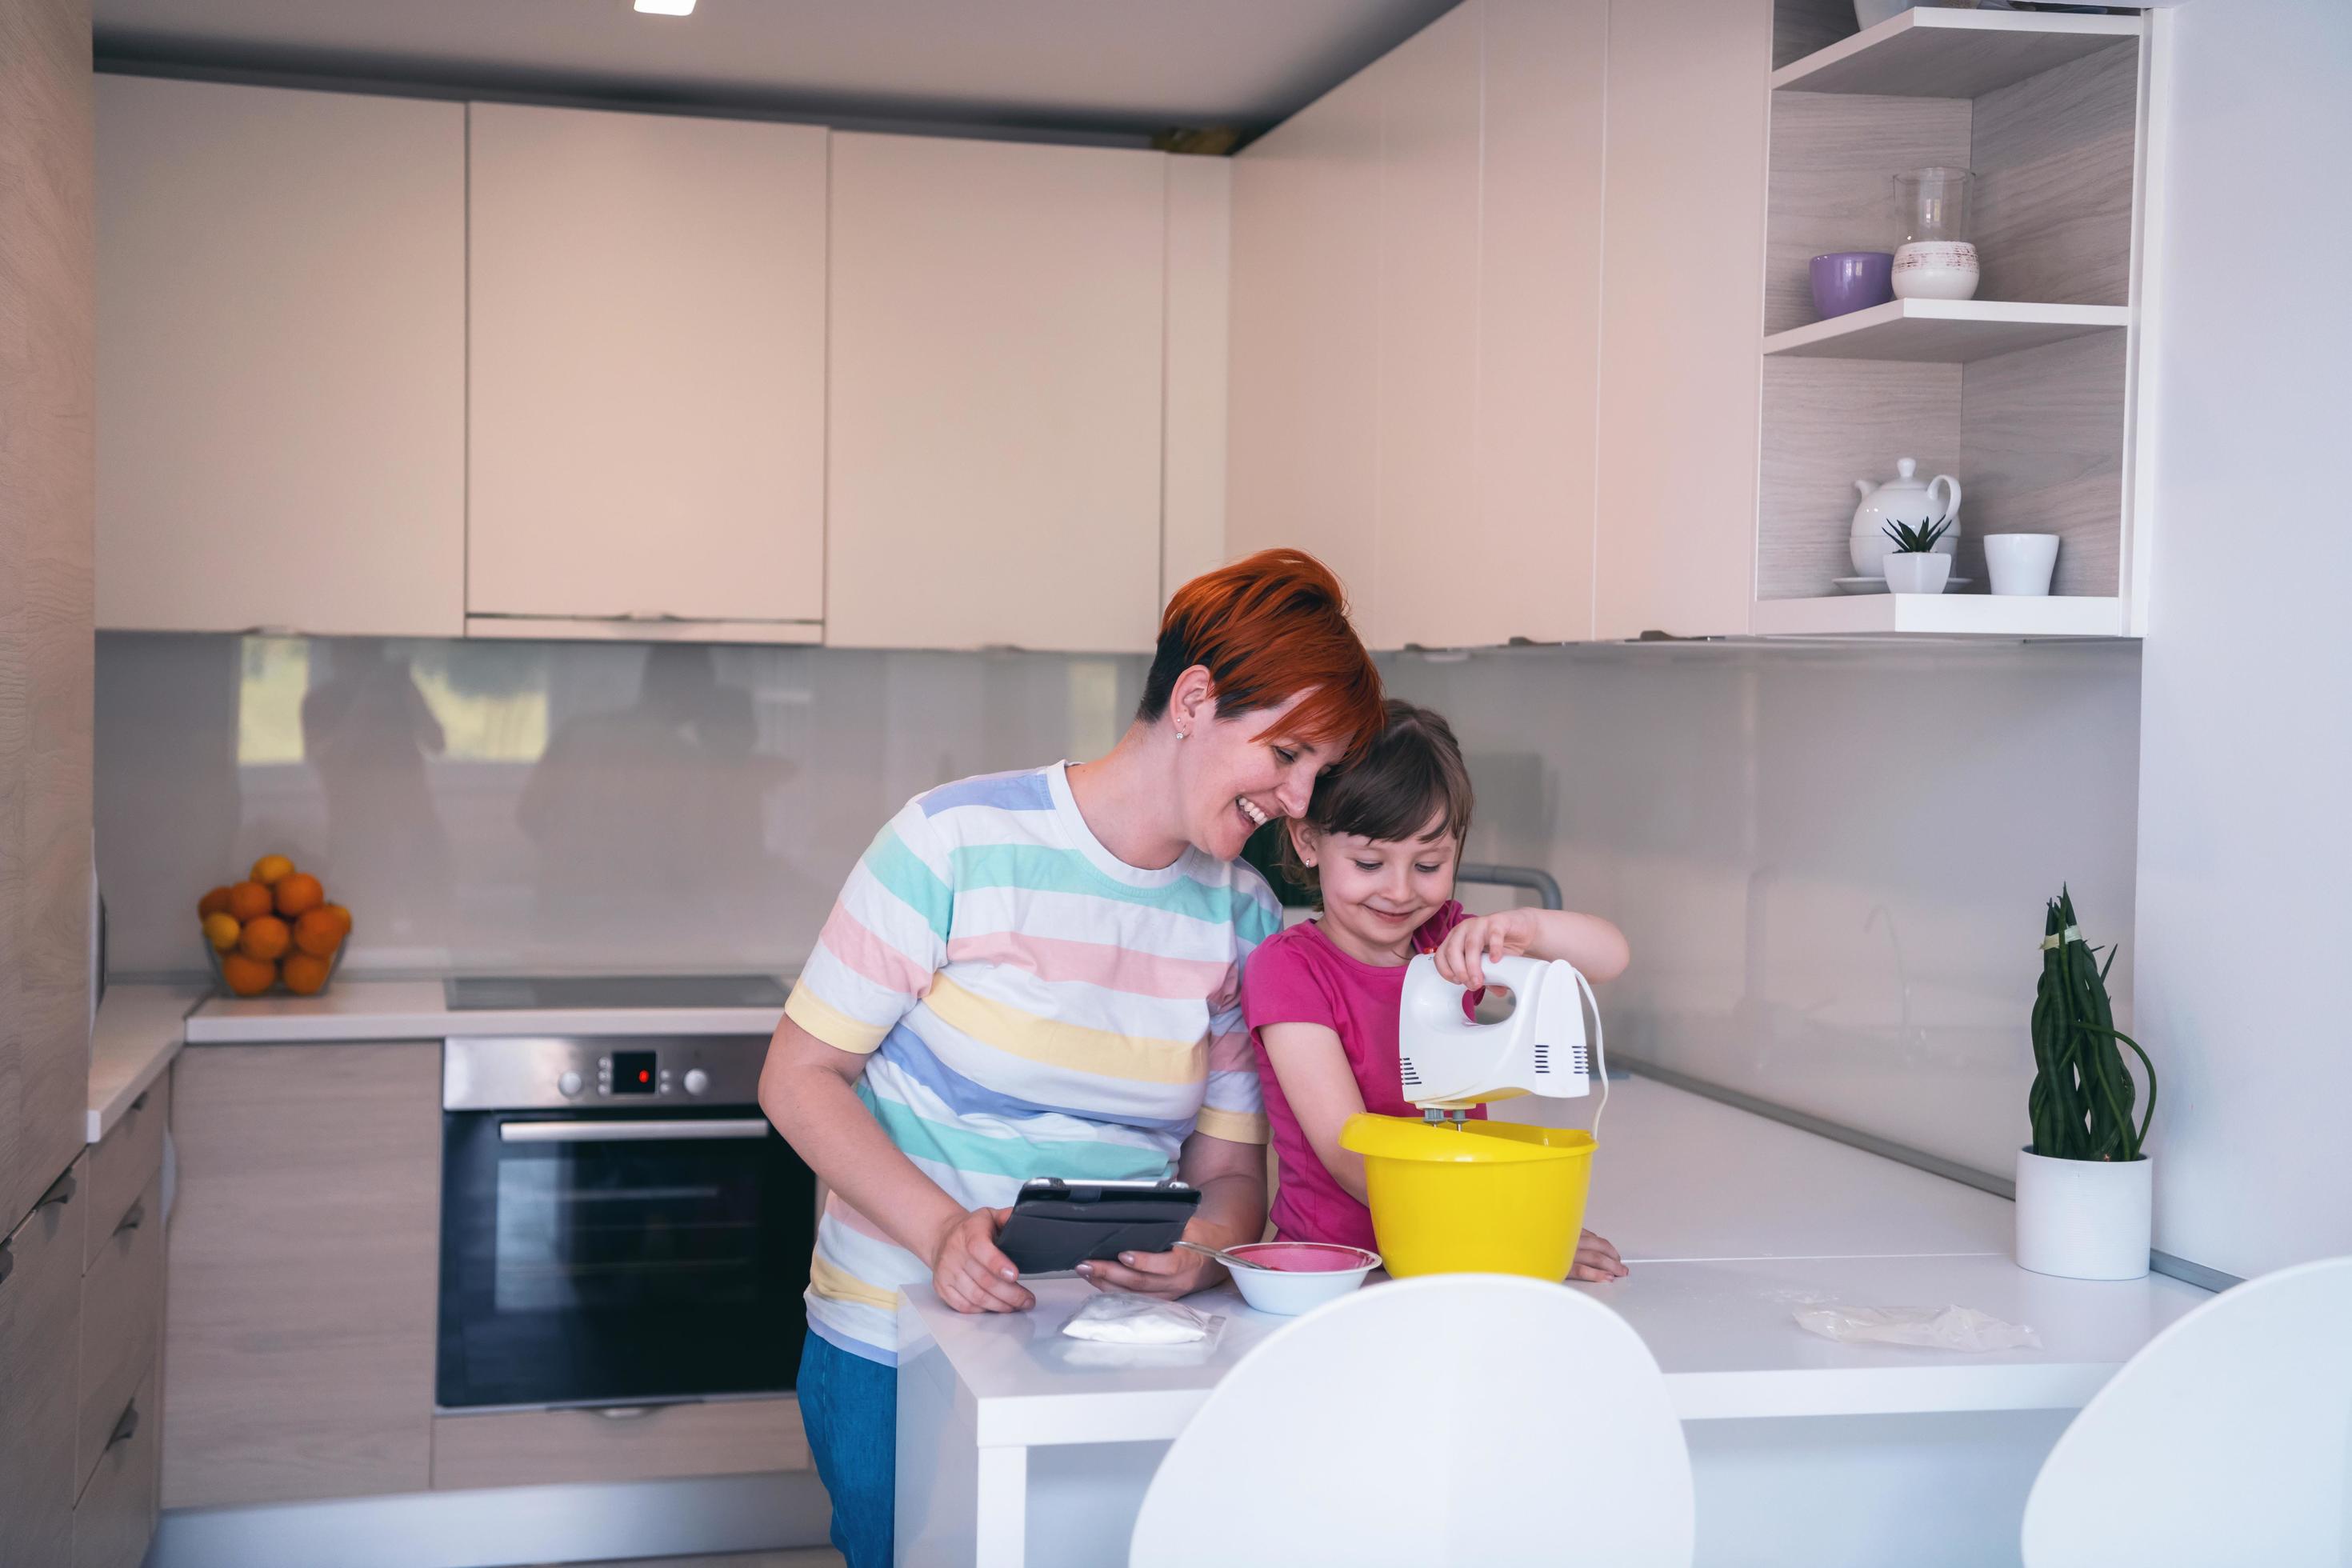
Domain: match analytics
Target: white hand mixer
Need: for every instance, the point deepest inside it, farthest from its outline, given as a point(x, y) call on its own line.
point(1451, 1062)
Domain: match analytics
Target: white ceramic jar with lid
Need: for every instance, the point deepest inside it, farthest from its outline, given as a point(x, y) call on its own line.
point(1906, 499)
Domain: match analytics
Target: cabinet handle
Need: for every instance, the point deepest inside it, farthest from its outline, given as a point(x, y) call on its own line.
point(139, 1103)
point(60, 1193)
point(124, 1428)
point(626, 1411)
point(7, 1261)
point(132, 1218)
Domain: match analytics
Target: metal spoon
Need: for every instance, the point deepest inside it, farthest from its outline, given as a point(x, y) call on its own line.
point(1227, 1258)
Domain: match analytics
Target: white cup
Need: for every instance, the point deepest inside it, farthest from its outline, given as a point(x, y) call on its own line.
point(2020, 564)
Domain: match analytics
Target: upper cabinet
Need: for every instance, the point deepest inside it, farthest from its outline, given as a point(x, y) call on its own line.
point(281, 341)
point(646, 371)
point(994, 417)
point(1680, 314)
point(1416, 327)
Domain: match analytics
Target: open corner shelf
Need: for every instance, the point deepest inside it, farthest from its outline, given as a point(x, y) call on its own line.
point(1945, 332)
point(1939, 615)
point(1937, 52)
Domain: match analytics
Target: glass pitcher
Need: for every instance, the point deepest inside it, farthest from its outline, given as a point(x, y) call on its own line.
point(1932, 204)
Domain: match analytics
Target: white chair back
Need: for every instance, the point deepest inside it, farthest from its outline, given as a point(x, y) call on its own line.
point(2228, 1439)
point(1465, 1418)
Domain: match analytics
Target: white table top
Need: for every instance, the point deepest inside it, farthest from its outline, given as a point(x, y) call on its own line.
point(414, 1009)
point(1730, 1222)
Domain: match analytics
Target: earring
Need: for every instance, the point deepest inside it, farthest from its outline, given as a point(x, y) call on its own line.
point(1180, 735)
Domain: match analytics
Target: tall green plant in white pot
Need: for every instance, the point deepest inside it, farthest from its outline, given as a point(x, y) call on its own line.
point(2085, 1186)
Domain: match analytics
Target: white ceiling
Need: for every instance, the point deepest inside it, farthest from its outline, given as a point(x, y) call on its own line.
point(1103, 65)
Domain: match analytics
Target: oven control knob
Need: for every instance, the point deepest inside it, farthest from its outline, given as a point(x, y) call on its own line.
point(569, 1083)
point(697, 1081)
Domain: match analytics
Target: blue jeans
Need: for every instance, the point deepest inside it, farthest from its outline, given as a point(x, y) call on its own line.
point(850, 1406)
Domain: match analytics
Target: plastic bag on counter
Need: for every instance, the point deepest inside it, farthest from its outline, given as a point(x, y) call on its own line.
point(1925, 1328)
point(1121, 1318)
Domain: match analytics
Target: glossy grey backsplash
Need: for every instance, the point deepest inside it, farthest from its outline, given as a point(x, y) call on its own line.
point(492, 805)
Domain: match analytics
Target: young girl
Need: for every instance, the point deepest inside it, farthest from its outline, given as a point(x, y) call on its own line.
point(1379, 846)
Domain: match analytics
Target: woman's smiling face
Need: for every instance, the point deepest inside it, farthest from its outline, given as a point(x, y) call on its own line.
point(1238, 774)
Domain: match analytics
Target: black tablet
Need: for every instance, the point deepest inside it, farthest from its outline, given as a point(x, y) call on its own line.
point(1055, 1225)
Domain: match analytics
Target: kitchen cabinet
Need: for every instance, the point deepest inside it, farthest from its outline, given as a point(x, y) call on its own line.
point(299, 1333)
point(1683, 236)
point(122, 1323)
point(994, 410)
point(115, 1520)
point(1301, 464)
point(1416, 320)
point(655, 1442)
point(40, 1334)
point(645, 372)
point(281, 332)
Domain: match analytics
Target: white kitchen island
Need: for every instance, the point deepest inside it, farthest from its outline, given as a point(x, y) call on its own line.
point(1019, 1446)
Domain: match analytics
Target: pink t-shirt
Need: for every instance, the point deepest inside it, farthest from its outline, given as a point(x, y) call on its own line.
point(1297, 977)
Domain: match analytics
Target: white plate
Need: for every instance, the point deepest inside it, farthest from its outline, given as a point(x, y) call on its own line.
point(1878, 585)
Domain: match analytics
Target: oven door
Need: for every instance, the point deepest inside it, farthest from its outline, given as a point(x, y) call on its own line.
point(619, 1257)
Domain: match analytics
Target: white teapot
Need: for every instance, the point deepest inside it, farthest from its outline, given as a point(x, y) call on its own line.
point(1906, 499)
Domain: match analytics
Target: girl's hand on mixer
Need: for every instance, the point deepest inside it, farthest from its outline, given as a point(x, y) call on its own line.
point(1462, 956)
point(1596, 1259)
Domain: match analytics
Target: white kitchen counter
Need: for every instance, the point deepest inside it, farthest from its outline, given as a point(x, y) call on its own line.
point(1730, 1222)
point(414, 1009)
point(137, 1033)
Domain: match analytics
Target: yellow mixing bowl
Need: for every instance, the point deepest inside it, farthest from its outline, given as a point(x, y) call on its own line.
point(1479, 1197)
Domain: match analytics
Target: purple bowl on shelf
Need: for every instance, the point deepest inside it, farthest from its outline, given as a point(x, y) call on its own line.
point(1848, 280)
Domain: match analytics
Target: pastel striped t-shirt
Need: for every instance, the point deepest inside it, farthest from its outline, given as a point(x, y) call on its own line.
point(1030, 1005)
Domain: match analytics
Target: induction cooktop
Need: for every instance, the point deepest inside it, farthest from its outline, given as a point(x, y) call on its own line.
point(512, 993)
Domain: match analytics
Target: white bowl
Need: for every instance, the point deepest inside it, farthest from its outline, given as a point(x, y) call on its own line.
point(1317, 1272)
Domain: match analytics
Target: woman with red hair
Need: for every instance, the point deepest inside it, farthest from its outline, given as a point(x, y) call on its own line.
point(1037, 974)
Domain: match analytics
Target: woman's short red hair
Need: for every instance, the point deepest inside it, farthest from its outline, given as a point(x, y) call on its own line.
point(1267, 626)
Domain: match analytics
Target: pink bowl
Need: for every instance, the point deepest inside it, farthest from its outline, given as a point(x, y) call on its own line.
point(1300, 1276)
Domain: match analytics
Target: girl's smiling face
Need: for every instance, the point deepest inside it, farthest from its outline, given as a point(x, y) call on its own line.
point(1377, 891)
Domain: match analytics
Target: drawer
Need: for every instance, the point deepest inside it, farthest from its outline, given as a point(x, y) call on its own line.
point(40, 1324)
point(122, 1322)
point(125, 1161)
point(528, 1448)
point(116, 1516)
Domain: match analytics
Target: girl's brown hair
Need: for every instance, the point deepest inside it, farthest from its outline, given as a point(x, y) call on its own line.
point(1411, 774)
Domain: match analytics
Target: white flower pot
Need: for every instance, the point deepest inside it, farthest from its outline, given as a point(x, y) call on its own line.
point(2084, 1219)
point(1914, 573)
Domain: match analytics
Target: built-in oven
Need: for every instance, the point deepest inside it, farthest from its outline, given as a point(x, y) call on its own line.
point(619, 1223)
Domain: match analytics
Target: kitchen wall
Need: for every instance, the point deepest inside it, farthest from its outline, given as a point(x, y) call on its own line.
point(2246, 845)
point(496, 805)
point(1831, 861)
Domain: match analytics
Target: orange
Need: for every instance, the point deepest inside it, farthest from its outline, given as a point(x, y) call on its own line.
point(221, 930)
point(248, 901)
point(213, 903)
point(297, 891)
point(317, 933)
point(271, 868)
point(247, 976)
point(265, 938)
point(342, 915)
point(305, 975)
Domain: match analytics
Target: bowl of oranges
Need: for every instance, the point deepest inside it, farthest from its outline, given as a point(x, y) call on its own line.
point(274, 929)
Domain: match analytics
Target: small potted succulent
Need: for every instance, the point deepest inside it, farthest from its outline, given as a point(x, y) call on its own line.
point(1915, 567)
point(2083, 1187)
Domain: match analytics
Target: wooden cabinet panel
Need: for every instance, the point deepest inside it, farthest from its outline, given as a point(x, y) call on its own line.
point(125, 1163)
point(646, 367)
point(1682, 315)
point(40, 1331)
point(121, 1321)
point(531, 1447)
point(993, 414)
point(1200, 264)
point(1304, 405)
point(45, 592)
point(116, 1517)
point(281, 285)
point(304, 1260)
point(1426, 324)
